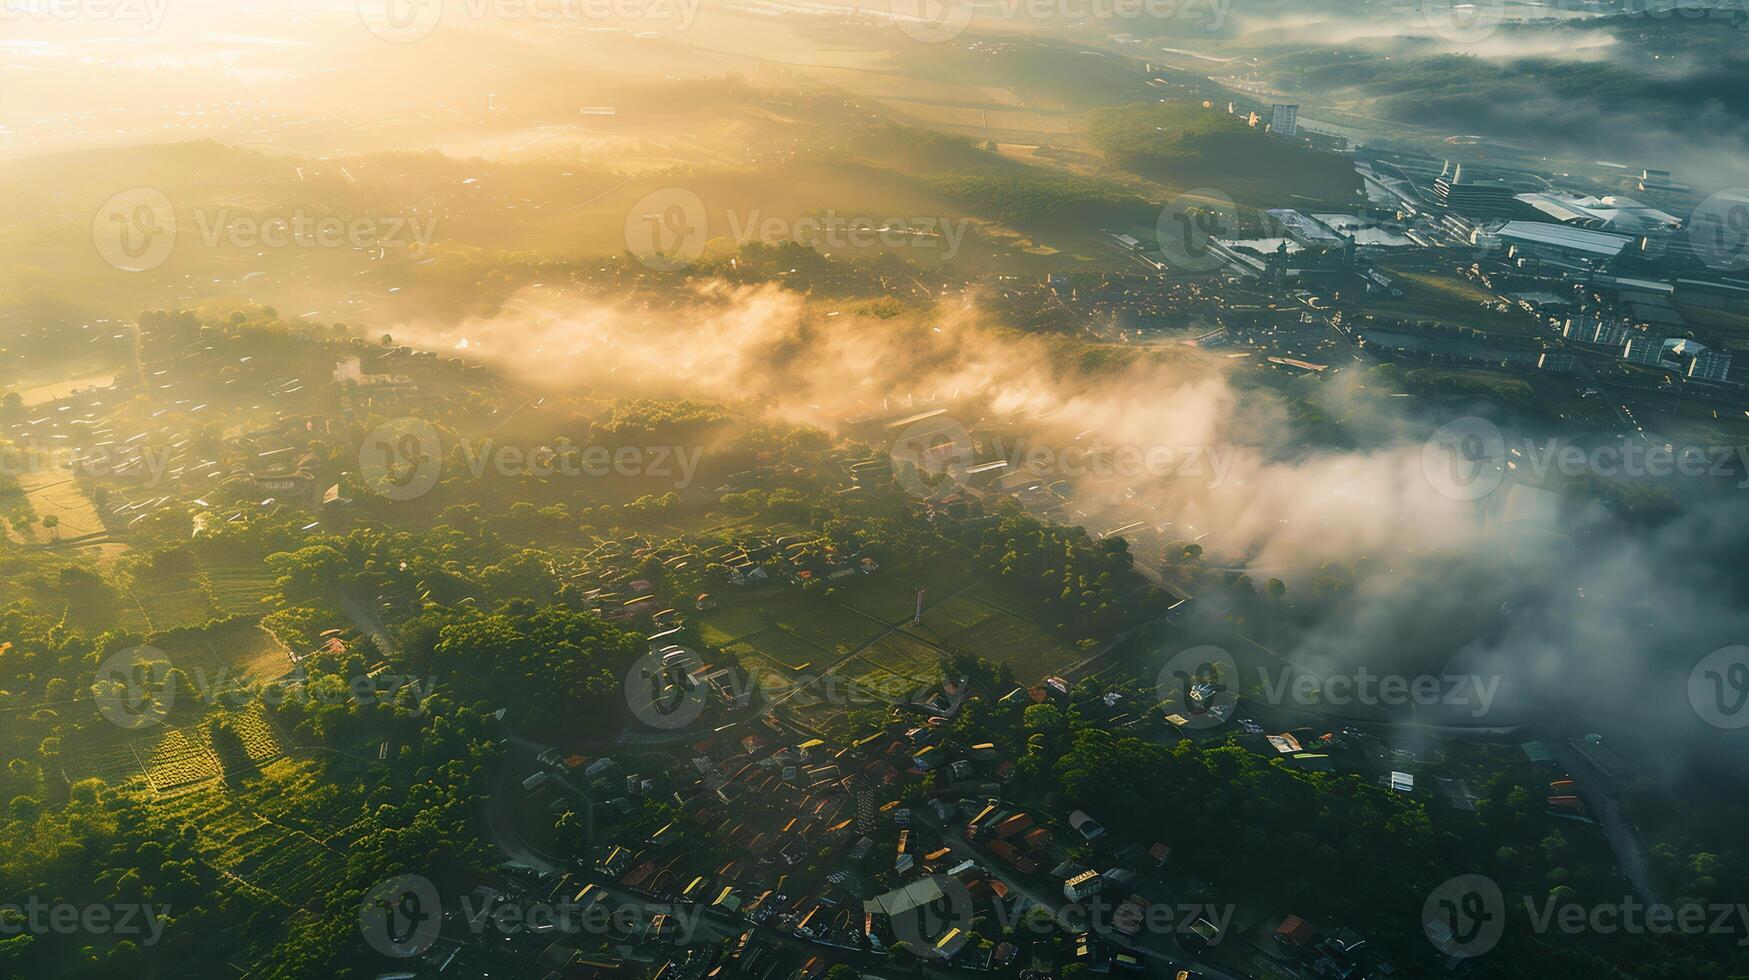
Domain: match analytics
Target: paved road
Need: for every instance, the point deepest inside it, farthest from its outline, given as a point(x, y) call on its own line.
point(1592, 787)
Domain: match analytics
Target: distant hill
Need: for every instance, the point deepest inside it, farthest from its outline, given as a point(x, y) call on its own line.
point(1184, 145)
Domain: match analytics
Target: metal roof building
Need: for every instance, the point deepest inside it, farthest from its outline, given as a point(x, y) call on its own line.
point(1562, 238)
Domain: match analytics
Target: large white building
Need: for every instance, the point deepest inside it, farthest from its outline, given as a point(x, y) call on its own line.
point(1612, 213)
point(1563, 241)
point(1284, 120)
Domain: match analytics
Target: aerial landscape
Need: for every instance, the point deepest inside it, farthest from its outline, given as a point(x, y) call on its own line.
point(840, 489)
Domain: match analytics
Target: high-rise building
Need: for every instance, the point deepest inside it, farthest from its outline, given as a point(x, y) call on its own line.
point(1478, 199)
point(1284, 120)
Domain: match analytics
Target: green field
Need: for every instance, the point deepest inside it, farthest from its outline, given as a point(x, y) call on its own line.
point(171, 759)
point(725, 625)
point(283, 862)
point(785, 648)
point(887, 599)
point(238, 589)
point(956, 614)
point(907, 657)
point(984, 624)
point(834, 629)
point(225, 652)
point(113, 763)
point(869, 677)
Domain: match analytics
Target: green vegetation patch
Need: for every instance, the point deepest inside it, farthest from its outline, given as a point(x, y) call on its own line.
point(885, 598)
point(785, 648)
point(1183, 145)
point(906, 657)
point(833, 629)
point(1033, 651)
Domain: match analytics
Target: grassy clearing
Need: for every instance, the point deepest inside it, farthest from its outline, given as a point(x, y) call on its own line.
point(725, 625)
point(166, 608)
point(885, 598)
point(985, 625)
point(238, 589)
point(114, 764)
point(906, 657)
point(954, 615)
point(1029, 648)
point(786, 649)
point(870, 675)
point(227, 651)
point(835, 630)
point(52, 492)
point(280, 861)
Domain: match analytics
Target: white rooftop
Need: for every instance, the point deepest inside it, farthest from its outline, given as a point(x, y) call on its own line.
point(1563, 236)
point(1610, 212)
